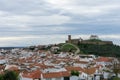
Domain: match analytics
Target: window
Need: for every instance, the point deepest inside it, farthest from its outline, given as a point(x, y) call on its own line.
point(66, 78)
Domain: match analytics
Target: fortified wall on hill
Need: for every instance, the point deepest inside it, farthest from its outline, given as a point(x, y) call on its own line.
point(94, 39)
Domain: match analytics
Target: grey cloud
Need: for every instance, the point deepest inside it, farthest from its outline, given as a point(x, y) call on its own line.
point(28, 7)
point(43, 17)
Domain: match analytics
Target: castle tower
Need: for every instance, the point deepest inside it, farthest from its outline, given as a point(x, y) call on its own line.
point(80, 39)
point(69, 38)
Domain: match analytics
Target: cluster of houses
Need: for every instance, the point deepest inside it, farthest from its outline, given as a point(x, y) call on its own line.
point(44, 65)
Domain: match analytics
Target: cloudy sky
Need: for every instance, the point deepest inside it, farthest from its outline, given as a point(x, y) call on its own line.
point(34, 22)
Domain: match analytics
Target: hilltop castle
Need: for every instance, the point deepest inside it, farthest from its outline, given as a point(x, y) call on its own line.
point(94, 39)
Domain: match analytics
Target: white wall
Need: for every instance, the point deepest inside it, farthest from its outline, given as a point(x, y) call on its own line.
point(26, 79)
point(74, 78)
point(106, 75)
point(80, 65)
point(119, 75)
point(54, 78)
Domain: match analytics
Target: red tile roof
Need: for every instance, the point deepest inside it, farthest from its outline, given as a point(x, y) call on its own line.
point(34, 74)
point(90, 70)
point(103, 59)
point(56, 74)
point(37, 74)
point(70, 68)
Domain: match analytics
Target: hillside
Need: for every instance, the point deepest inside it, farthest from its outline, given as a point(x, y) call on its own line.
point(68, 47)
point(93, 46)
point(101, 50)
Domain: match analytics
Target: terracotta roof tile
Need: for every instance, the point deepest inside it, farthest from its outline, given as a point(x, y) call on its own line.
point(104, 59)
point(56, 74)
point(74, 68)
point(34, 74)
point(90, 70)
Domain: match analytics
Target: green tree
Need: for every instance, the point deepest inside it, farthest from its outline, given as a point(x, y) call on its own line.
point(32, 48)
point(1, 77)
point(74, 73)
point(10, 75)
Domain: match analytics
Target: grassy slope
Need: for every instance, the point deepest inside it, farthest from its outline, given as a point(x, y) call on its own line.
point(68, 48)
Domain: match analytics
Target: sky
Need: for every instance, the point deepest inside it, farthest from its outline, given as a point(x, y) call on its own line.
point(38, 22)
